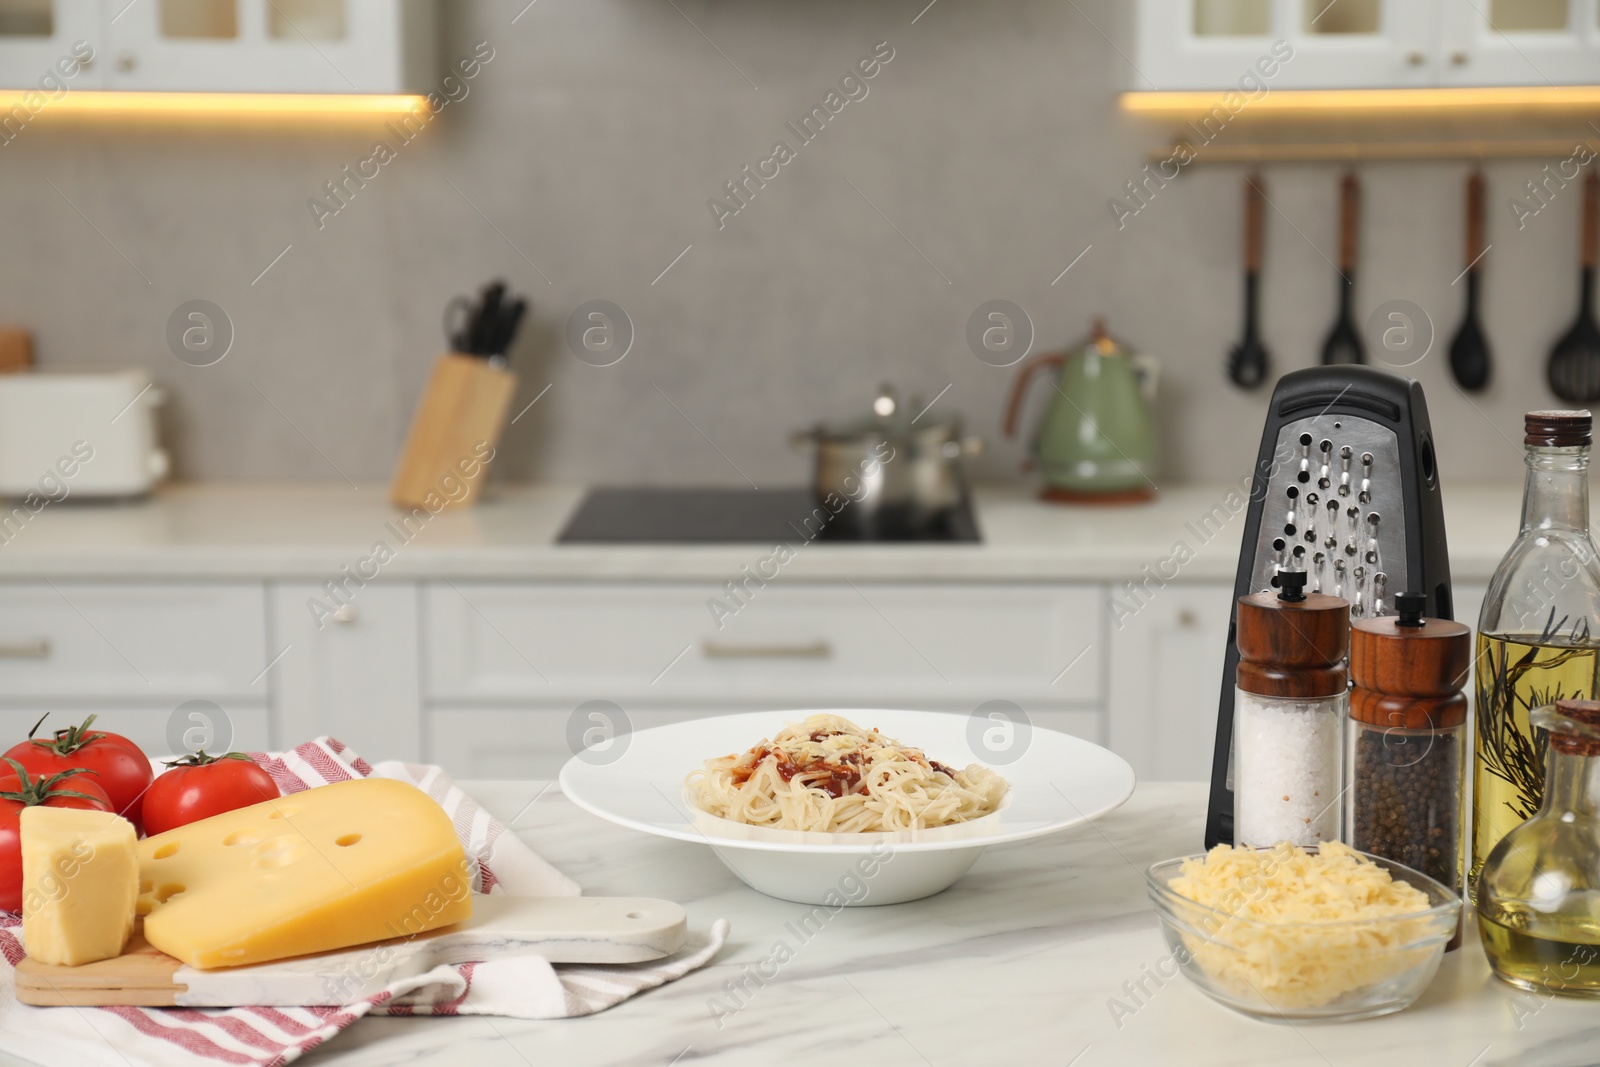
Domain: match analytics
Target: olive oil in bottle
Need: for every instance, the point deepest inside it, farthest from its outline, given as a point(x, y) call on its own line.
point(1539, 893)
point(1516, 674)
point(1539, 631)
point(1552, 959)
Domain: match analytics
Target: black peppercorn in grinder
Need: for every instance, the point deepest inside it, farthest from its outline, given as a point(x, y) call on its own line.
point(1407, 760)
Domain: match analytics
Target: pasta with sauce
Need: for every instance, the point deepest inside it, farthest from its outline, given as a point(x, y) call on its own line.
point(828, 774)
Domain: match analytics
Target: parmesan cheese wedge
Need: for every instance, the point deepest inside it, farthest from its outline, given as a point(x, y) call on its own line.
point(340, 865)
point(79, 881)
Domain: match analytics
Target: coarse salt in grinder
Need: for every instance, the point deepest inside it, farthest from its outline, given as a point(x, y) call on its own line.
point(1408, 739)
point(1293, 692)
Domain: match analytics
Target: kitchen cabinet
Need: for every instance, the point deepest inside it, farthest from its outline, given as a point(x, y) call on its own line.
point(863, 643)
point(1213, 44)
point(1367, 44)
point(169, 665)
point(35, 35)
point(512, 668)
point(84, 642)
point(497, 679)
point(1166, 676)
point(262, 46)
point(1519, 42)
point(354, 676)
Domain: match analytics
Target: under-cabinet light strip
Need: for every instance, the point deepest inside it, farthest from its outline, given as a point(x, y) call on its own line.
point(1366, 101)
point(34, 102)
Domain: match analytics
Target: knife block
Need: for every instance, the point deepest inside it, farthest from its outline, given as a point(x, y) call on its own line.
point(453, 435)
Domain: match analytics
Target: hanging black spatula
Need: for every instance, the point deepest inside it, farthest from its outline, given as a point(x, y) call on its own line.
point(1469, 351)
point(1247, 363)
point(1575, 361)
point(1344, 342)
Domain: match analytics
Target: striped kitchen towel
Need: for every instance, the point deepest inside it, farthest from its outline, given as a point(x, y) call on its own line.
point(526, 988)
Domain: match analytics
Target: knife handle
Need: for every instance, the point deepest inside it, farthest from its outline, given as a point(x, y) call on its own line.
point(1349, 220)
point(1254, 197)
point(1474, 217)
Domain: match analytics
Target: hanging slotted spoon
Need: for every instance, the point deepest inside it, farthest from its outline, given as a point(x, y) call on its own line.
point(1469, 351)
point(1344, 341)
point(1575, 361)
point(1248, 361)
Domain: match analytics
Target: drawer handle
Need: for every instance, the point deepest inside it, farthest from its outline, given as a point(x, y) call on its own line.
point(39, 649)
point(815, 650)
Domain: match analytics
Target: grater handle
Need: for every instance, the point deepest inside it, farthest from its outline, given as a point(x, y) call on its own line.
point(1349, 220)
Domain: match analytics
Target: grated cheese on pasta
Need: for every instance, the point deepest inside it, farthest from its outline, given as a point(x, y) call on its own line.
point(1281, 960)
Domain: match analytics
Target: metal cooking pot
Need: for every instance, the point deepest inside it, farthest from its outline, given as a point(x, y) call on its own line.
point(894, 470)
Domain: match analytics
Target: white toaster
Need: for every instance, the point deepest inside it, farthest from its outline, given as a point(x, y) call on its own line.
point(79, 432)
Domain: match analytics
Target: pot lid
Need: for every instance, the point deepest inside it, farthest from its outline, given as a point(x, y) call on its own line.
point(891, 418)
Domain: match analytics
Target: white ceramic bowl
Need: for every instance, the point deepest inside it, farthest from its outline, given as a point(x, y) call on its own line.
point(1055, 781)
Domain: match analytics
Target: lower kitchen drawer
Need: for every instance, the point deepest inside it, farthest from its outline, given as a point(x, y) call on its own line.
point(534, 742)
point(159, 729)
point(135, 641)
point(863, 644)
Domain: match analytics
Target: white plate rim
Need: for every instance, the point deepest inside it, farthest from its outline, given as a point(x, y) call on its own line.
point(860, 843)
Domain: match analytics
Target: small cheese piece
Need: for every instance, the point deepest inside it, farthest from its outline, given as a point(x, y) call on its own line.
point(80, 879)
point(340, 865)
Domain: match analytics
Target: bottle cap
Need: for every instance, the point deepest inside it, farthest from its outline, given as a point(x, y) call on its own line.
point(1558, 429)
point(1583, 715)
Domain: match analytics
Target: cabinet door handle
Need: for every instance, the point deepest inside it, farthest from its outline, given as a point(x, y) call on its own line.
point(39, 649)
point(717, 650)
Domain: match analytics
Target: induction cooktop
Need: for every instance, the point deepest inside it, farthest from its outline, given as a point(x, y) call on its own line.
point(757, 516)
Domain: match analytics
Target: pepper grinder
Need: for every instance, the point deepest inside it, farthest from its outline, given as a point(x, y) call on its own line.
point(1293, 691)
point(1408, 739)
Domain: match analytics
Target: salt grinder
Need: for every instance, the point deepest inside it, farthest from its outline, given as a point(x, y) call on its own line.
point(1408, 739)
point(1293, 692)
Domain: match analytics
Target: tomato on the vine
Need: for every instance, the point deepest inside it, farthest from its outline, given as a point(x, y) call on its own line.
point(71, 788)
point(121, 768)
point(200, 786)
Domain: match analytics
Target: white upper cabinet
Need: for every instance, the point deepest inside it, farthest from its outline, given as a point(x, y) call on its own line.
point(43, 44)
point(263, 46)
point(1365, 44)
point(1520, 42)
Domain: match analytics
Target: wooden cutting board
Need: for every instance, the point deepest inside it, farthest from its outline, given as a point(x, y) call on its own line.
point(559, 929)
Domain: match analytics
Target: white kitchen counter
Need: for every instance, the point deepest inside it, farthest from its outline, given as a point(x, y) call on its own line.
point(311, 530)
point(1017, 963)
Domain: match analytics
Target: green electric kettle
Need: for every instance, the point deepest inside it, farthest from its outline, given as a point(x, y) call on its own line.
point(1097, 443)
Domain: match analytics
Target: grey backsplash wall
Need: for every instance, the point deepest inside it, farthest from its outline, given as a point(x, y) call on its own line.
point(590, 145)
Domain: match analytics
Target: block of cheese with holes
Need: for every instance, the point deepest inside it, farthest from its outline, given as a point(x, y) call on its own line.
point(339, 865)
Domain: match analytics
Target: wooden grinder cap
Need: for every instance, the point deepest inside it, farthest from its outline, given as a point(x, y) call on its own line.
point(1409, 671)
point(1293, 643)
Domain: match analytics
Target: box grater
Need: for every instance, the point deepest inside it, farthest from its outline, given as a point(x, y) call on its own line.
point(1346, 488)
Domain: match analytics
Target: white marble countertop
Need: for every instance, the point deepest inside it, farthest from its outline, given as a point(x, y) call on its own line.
point(1016, 963)
point(265, 531)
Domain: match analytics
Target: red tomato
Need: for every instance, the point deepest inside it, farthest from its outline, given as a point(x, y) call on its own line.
point(200, 786)
point(72, 788)
point(121, 769)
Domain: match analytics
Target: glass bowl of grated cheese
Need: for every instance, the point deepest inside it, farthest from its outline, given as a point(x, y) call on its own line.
point(1289, 934)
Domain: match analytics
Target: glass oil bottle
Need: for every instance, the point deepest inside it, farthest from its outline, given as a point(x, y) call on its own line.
point(1539, 631)
point(1539, 892)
